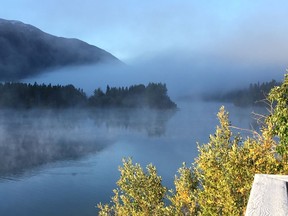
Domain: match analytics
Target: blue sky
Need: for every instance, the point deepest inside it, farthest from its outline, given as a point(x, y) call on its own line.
point(245, 30)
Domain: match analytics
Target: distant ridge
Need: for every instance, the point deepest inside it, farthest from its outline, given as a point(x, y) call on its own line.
point(26, 51)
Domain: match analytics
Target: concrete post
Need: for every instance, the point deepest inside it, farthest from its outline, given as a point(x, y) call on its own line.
point(268, 196)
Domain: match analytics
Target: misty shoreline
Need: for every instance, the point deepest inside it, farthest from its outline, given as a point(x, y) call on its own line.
point(27, 96)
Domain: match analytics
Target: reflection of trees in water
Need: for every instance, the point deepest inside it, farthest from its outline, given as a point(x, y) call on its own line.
point(18, 156)
point(152, 122)
point(33, 138)
point(30, 139)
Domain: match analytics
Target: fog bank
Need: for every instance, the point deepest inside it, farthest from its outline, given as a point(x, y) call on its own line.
point(183, 73)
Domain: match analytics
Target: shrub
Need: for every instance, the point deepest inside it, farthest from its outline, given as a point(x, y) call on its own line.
point(139, 192)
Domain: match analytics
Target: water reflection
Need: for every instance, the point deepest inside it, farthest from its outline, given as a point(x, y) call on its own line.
point(32, 138)
point(151, 122)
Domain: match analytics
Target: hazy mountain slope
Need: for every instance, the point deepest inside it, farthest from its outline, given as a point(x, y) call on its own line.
point(25, 50)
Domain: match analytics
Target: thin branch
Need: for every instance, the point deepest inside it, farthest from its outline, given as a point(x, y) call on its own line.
point(247, 130)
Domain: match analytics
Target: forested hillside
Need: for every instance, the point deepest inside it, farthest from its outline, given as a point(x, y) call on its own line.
point(253, 95)
point(27, 51)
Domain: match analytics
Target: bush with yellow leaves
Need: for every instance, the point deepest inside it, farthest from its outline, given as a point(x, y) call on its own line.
point(139, 192)
point(226, 167)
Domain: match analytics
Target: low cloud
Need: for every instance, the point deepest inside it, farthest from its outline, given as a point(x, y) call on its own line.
point(183, 75)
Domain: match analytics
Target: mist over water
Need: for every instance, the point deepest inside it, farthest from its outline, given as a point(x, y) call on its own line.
point(34, 137)
point(183, 74)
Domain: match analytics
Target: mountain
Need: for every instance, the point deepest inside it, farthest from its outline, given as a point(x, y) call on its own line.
point(26, 51)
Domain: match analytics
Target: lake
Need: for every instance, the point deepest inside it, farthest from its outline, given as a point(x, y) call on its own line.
point(64, 162)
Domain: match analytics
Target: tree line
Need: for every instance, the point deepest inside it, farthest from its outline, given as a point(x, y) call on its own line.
point(25, 96)
point(255, 94)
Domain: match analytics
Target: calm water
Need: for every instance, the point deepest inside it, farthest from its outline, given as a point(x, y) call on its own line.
point(65, 162)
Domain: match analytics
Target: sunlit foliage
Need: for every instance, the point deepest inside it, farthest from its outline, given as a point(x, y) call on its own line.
point(183, 200)
point(139, 192)
point(278, 120)
point(226, 167)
